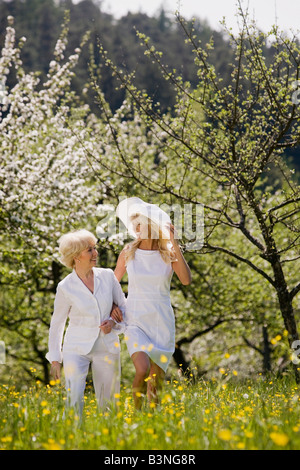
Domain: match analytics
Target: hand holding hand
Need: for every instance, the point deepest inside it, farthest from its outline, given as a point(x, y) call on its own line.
point(116, 313)
point(106, 326)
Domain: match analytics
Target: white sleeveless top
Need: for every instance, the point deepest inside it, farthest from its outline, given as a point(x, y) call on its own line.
point(149, 313)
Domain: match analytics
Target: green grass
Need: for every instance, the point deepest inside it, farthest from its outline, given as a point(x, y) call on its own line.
point(223, 413)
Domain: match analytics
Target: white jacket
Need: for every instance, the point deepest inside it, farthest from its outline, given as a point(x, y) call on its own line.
point(86, 311)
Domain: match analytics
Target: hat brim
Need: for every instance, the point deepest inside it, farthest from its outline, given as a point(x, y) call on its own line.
point(134, 205)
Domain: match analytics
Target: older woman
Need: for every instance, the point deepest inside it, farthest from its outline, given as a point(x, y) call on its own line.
point(150, 261)
point(85, 297)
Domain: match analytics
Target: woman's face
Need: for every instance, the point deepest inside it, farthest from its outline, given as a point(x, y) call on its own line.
point(88, 257)
point(141, 229)
point(145, 230)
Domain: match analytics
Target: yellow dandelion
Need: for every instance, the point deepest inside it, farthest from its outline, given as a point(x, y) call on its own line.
point(225, 435)
point(105, 431)
point(166, 398)
point(240, 445)
point(52, 446)
point(44, 403)
point(150, 431)
point(279, 438)
point(222, 370)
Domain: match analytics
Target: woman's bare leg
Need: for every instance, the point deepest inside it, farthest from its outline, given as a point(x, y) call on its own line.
point(154, 385)
point(141, 363)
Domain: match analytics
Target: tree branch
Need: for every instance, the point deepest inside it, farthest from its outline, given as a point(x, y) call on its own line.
point(244, 260)
point(295, 291)
point(199, 333)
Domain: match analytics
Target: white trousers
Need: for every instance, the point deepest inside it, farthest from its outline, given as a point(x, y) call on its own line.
point(105, 371)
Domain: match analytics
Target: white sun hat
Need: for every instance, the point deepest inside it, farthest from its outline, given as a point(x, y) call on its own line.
point(134, 205)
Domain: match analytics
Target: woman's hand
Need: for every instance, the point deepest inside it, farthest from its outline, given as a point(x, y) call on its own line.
point(55, 370)
point(106, 326)
point(116, 313)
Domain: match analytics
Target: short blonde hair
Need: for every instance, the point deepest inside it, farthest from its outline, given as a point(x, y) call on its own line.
point(72, 244)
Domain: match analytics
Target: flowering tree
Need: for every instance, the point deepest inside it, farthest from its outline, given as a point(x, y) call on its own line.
point(59, 162)
point(47, 187)
point(217, 147)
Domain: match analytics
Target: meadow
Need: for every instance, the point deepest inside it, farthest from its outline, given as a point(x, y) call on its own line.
point(222, 413)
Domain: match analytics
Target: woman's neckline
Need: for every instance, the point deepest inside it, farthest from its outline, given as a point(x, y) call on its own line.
point(147, 251)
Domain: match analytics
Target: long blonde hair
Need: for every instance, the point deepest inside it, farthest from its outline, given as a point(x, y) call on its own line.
point(155, 232)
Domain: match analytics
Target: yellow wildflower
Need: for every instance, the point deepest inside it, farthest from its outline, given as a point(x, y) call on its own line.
point(279, 438)
point(224, 434)
point(240, 445)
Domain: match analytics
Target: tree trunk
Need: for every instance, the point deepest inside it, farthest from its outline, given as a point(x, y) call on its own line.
point(273, 257)
point(266, 350)
point(179, 358)
point(286, 306)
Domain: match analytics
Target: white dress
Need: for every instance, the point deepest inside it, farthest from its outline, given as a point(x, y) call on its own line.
point(150, 322)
